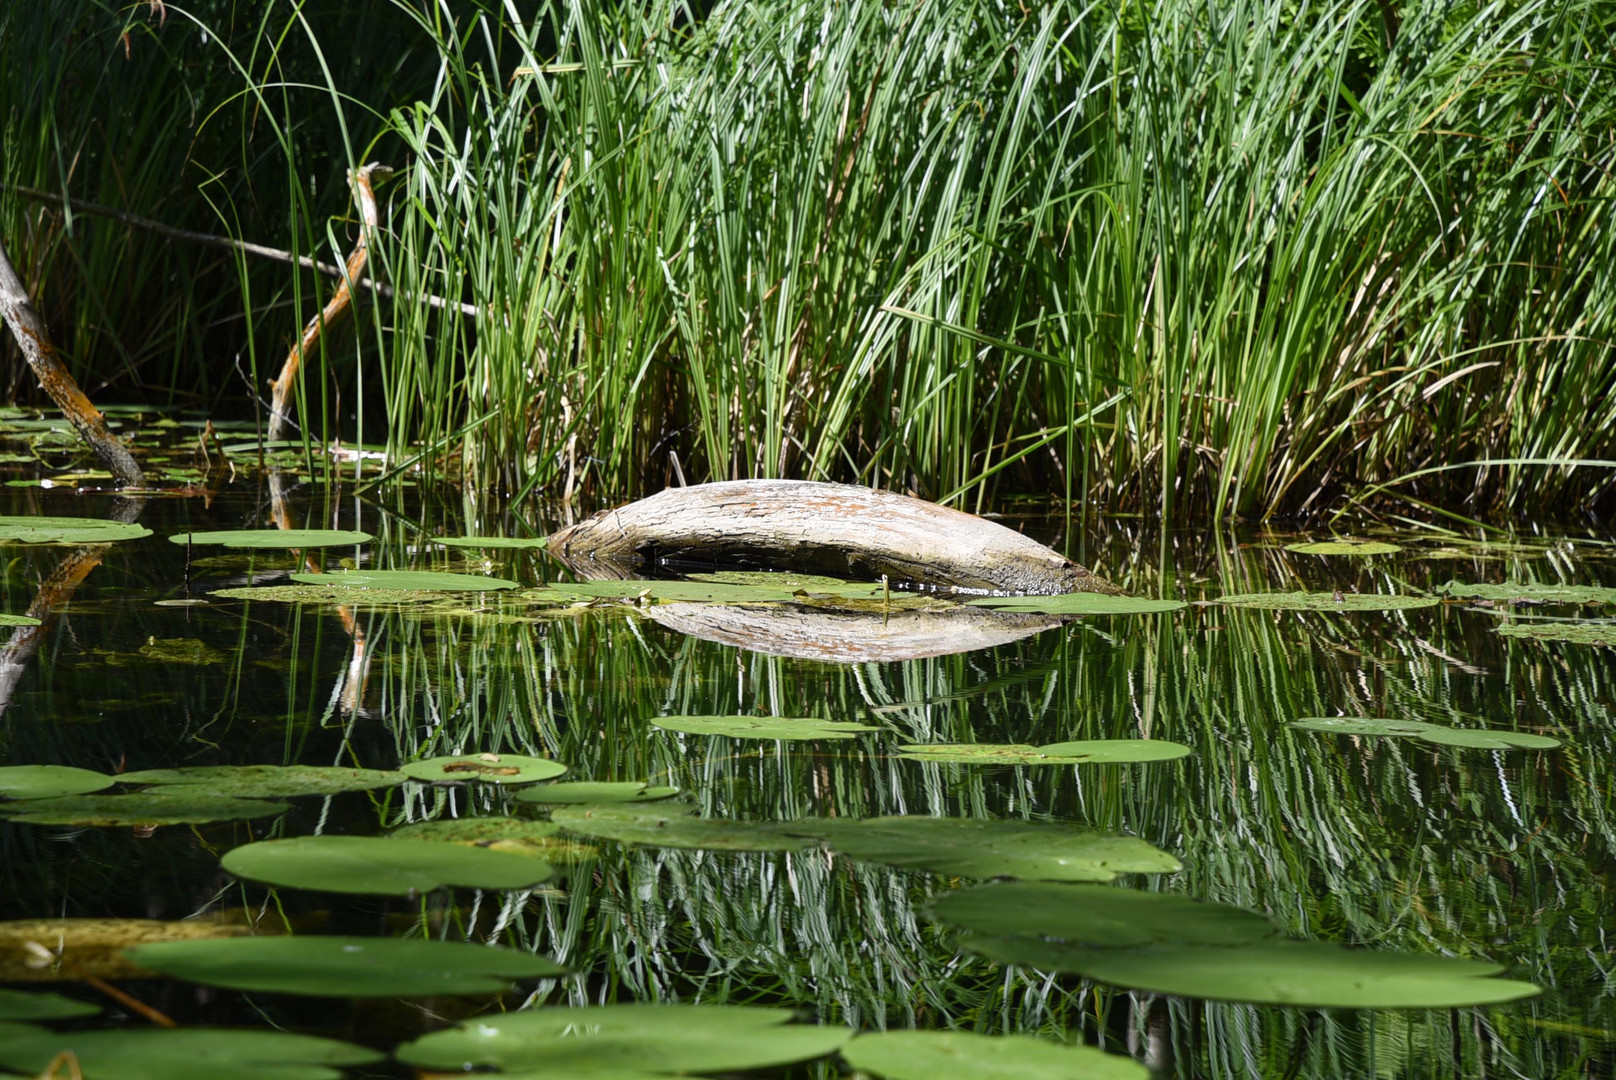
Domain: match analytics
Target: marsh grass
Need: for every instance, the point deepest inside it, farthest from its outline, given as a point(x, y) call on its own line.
point(1241, 259)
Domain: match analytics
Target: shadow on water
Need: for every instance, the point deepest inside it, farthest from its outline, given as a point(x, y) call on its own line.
point(1384, 843)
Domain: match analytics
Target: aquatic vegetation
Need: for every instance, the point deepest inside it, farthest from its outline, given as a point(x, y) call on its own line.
point(276, 539)
point(384, 866)
point(674, 827)
point(927, 1055)
point(493, 543)
point(8, 619)
point(1081, 604)
point(503, 769)
point(265, 781)
point(1337, 601)
point(1085, 752)
point(1344, 546)
point(763, 727)
point(187, 1054)
point(1530, 592)
point(177, 806)
point(1583, 632)
point(67, 530)
point(406, 580)
point(23, 1005)
point(49, 781)
point(596, 792)
point(1436, 734)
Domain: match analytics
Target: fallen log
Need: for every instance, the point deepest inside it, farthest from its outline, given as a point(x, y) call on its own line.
point(836, 529)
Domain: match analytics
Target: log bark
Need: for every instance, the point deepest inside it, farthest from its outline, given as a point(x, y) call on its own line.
point(833, 529)
point(57, 381)
point(845, 637)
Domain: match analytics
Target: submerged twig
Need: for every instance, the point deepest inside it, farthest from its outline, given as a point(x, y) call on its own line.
point(57, 381)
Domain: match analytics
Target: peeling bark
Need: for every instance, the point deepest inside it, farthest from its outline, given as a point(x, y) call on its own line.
point(833, 529)
point(35, 342)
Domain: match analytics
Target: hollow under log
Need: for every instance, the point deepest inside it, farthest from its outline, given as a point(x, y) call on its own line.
point(836, 529)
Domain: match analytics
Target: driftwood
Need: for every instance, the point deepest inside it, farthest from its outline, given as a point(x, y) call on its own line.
point(847, 637)
point(58, 382)
point(820, 528)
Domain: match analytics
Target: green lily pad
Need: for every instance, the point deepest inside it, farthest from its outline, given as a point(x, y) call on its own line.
point(1586, 632)
point(611, 1039)
point(1086, 752)
point(344, 966)
point(1466, 738)
point(140, 808)
point(985, 849)
point(503, 543)
point(629, 791)
point(1310, 974)
point(21, 1005)
point(812, 584)
point(383, 866)
point(7, 619)
point(66, 530)
point(687, 591)
point(1531, 592)
point(409, 580)
point(266, 781)
point(188, 1054)
point(1080, 604)
point(276, 538)
point(1323, 601)
point(1097, 915)
point(673, 827)
point(965, 1055)
point(1343, 546)
point(489, 768)
point(517, 836)
point(319, 594)
point(762, 727)
point(49, 781)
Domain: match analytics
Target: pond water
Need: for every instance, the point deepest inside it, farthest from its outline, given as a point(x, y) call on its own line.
point(1394, 840)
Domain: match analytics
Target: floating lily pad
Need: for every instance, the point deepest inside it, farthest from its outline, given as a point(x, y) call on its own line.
point(344, 966)
point(94, 946)
point(1343, 546)
point(810, 585)
point(965, 1055)
point(984, 849)
point(490, 768)
point(1323, 601)
point(319, 594)
point(266, 781)
point(614, 1039)
point(49, 781)
point(66, 530)
point(7, 619)
point(518, 836)
point(630, 791)
point(673, 827)
point(188, 1054)
point(1080, 604)
point(410, 580)
point(1530, 592)
point(1587, 632)
point(1097, 915)
point(763, 727)
point(504, 543)
point(276, 538)
point(1274, 972)
point(1466, 738)
point(380, 866)
point(21, 1005)
point(140, 808)
point(1086, 752)
point(688, 591)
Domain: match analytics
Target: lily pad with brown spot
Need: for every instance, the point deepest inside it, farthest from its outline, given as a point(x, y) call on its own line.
point(488, 768)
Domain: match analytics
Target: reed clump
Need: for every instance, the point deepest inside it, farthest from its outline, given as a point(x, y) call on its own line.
point(1240, 259)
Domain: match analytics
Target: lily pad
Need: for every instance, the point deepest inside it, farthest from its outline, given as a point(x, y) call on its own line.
point(276, 538)
point(611, 1039)
point(179, 651)
point(7, 619)
point(66, 530)
point(49, 781)
point(489, 768)
point(673, 827)
point(21, 1005)
point(1080, 604)
point(1086, 752)
point(965, 1055)
point(1097, 915)
point(1586, 632)
point(319, 594)
point(985, 849)
point(812, 584)
point(504, 543)
point(688, 591)
point(345, 966)
point(411, 580)
point(94, 946)
point(763, 727)
point(1466, 738)
point(1530, 592)
point(1323, 601)
point(382, 866)
point(629, 791)
point(140, 808)
point(266, 781)
point(1344, 546)
point(1278, 971)
point(188, 1054)
point(518, 836)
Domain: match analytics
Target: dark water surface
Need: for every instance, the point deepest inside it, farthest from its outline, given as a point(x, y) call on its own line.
point(1383, 843)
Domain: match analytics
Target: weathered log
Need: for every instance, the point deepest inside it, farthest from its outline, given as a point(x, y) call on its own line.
point(848, 637)
point(820, 528)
